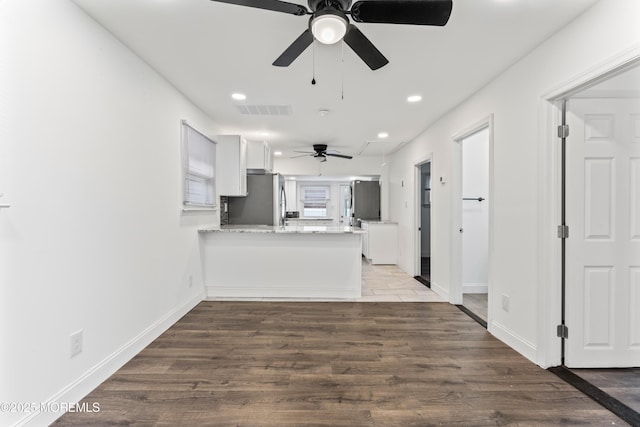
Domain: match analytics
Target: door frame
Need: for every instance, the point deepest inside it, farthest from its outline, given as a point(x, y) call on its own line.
point(417, 214)
point(455, 290)
point(549, 250)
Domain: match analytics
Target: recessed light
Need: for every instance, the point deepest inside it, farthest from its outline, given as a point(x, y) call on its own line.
point(239, 96)
point(323, 112)
point(277, 153)
point(383, 135)
point(414, 98)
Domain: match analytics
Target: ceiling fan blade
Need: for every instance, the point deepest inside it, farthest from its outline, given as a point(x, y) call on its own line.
point(274, 5)
point(306, 152)
point(295, 49)
point(303, 155)
point(364, 48)
point(416, 12)
point(338, 155)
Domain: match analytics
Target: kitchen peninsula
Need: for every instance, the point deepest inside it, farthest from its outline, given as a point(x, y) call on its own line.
point(245, 261)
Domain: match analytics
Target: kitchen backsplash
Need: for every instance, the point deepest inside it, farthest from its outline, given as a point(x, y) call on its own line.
point(224, 213)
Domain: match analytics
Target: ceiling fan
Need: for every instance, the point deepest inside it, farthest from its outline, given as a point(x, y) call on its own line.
point(320, 153)
point(329, 22)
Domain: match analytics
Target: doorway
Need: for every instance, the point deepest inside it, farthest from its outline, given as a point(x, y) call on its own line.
point(475, 222)
point(345, 205)
point(599, 178)
point(425, 223)
point(471, 190)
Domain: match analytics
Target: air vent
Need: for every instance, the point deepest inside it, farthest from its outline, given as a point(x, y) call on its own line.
point(265, 110)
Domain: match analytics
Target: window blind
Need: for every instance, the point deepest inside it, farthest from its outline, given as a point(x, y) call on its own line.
point(314, 199)
point(199, 168)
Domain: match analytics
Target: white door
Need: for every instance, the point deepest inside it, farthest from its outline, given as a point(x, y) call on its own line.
point(603, 248)
point(345, 204)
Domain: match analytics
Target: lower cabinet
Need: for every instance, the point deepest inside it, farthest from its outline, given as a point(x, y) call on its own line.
point(380, 243)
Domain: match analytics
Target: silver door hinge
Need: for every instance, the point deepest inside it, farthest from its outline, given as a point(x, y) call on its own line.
point(563, 131)
point(563, 231)
point(563, 331)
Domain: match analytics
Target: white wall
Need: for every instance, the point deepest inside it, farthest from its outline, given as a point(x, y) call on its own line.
point(95, 238)
point(608, 29)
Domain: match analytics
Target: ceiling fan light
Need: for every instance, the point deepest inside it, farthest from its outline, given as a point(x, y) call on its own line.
point(328, 28)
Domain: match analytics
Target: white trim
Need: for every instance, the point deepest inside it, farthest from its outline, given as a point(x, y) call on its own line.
point(91, 379)
point(549, 291)
point(475, 288)
point(440, 290)
point(616, 64)
point(417, 212)
point(549, 249)
point(513, 340)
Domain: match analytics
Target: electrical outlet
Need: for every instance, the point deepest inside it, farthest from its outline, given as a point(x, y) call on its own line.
point(76, 343)
point(190, 281)
point(505, 302)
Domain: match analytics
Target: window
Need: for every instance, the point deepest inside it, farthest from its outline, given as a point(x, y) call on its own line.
point(199, 168)
point(314, 201)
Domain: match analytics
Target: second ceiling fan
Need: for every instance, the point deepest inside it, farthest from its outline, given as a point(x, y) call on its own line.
point(320, 153)
point(329, 22)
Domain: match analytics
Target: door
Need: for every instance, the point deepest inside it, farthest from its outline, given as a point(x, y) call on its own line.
point(345, 204)
point(603, 247)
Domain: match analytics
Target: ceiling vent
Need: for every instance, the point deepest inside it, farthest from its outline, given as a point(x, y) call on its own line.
point(265, 110)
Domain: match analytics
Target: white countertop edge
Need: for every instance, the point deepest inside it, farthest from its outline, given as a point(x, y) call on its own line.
point(299, 229)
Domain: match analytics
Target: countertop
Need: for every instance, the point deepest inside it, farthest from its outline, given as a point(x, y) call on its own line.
point(377, 221)
point(291, 229)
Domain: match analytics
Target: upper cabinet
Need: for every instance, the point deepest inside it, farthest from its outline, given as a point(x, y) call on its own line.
point(259, 156)
point(231, 165)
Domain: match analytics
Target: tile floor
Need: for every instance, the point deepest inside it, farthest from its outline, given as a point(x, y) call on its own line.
point(388, 283)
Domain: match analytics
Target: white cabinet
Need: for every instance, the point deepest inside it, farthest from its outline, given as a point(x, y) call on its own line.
point(380, 242)
point(231, 165)
point(259, 156)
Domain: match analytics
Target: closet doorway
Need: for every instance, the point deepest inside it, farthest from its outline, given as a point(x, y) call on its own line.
point(471, 243)
point(425, 223)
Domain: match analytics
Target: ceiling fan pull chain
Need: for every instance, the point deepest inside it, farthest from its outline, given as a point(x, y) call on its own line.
point(313, 77)
point(342, 71)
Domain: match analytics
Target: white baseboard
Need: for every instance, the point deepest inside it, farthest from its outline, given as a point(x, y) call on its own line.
point(475, 288)
point(519, 344)
point(95, 376)
point(443, 292)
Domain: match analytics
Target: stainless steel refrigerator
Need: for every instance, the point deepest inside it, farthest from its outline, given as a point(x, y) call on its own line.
point(264, 204)
point(365, 201)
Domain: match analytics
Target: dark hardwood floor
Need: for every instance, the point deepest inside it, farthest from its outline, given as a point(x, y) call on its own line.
point(622, 384)
point(477, 304)
point(334, 364)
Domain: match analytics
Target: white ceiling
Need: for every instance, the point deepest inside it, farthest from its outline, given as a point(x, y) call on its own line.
point(209, 50)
